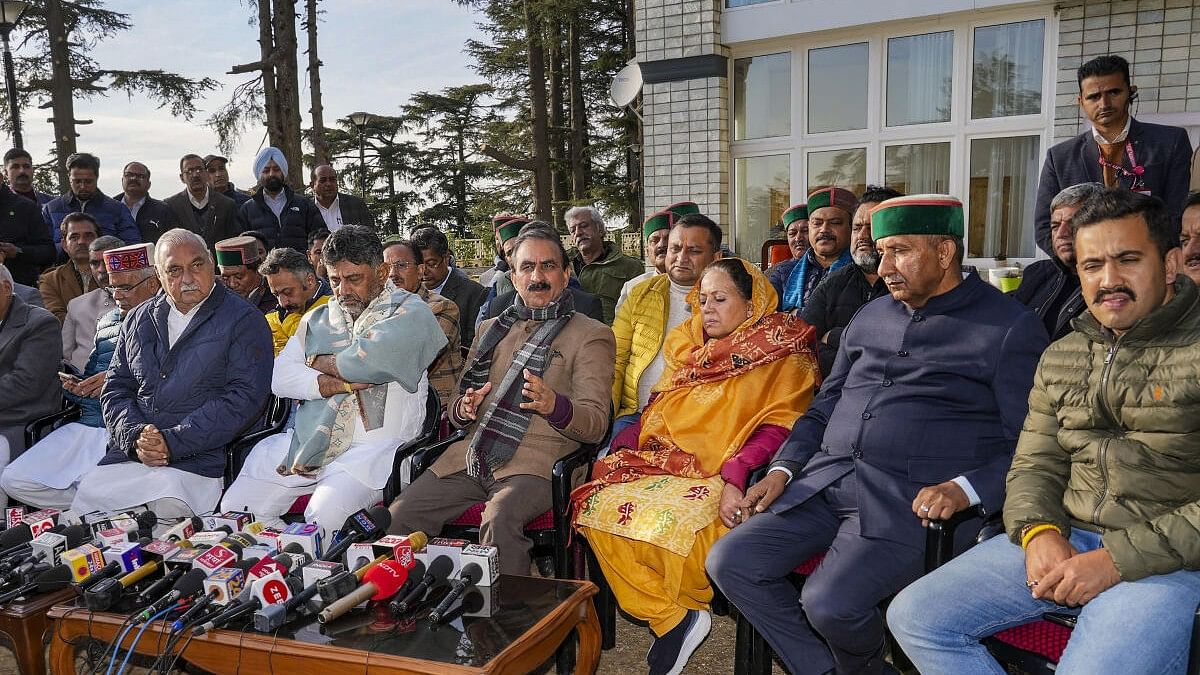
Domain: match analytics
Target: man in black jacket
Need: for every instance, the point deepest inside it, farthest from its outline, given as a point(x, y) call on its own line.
point(847, 288)
point(200, 209)
point(25, 244)
point(285, 217)
point(337, 208)
point(1051, 287)
point(218, 179)
point(152, 216)
point(440, 277)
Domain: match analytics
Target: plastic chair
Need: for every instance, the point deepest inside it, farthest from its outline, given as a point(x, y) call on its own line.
point(278, 411)
point(39, 428)
point(774, 251)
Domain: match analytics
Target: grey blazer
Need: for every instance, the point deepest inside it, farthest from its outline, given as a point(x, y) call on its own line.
point(30, 356)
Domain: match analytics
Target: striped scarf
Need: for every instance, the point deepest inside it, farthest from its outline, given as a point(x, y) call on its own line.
point(502, 424)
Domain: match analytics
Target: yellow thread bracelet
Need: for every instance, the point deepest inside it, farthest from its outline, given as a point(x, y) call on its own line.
point(1035, 531)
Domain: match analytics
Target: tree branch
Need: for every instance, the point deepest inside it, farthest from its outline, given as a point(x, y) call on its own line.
point(523, 163)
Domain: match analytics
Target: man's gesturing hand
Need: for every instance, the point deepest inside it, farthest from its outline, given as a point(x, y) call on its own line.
point(468, 405)
point(541, 397)
point(939, 502)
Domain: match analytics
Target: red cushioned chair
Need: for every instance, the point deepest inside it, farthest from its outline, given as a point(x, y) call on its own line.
point(774, 251)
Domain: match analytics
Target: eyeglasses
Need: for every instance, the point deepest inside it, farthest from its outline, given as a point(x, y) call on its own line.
point(129, 175)
point(194, 169)
point(402, 265)
point(128, 289)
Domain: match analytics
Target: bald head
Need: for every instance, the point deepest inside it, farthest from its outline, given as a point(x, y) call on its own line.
point(324, 184)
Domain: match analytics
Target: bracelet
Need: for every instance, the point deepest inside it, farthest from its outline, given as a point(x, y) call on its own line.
point(1034, 531)
point(349, 389)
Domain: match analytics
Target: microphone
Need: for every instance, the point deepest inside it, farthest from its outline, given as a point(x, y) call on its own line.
point(108, 591)
point(159, 587)
point(183, 530)
point(14, 537)
point(218, 588)
point(191, 583)
point(330, 588)
point(439, 570)
point(146, 522)
point(469, 576)
point(50, 579)
point(362, 525)
point(246, 607)
point(46, 547)
point(110, 570)
point(380, 583)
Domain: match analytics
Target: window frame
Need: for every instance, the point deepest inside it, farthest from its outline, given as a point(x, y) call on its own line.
point(959, 131)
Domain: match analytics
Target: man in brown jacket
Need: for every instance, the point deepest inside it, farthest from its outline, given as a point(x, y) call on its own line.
point(60, 285)
point(537, 385)
point(1103, 497)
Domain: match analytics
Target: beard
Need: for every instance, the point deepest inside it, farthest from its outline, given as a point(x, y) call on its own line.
point(867, 262)
point(273, 184)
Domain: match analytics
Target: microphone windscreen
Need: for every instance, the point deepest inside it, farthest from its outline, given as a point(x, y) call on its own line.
point(146, 520)
point(16, 535)
point(223, 528)
point(441, 567)
point(54, 578)
point(471, 574)
point(76, 535)
point(293, 548)
point(418, 570)
point(382, 517)
point(388, 576)
point(191, 582)
point(245, 565)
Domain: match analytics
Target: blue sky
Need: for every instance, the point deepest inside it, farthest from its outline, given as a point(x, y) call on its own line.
point(376, 53)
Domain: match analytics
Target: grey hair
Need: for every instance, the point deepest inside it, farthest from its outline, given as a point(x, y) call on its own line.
point(172, 238)
point(1076, 195)
point(105, 243)
point(354, 243)
point(6, 276)
point(592, 212)
point(289, 259)
point(540, 234)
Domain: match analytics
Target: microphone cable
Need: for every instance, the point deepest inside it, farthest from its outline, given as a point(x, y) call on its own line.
point(142, 630)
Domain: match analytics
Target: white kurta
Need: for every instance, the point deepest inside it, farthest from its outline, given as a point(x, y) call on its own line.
point(368, 460)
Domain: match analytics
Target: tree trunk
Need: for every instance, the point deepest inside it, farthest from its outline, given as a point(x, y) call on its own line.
point(580, 173)
point(558, 151)
point(62, 101)
point(266, 49)
point(287, 86)
point(319, 142)
point(460, 183)
point(537, 114)
point(633, 131)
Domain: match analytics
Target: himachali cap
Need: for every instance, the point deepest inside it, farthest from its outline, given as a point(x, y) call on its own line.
point(836, 197)
point(917, 214)
point(129, 258)
point(508, 226)
point(681, 209)
point(794, 213)
point(663, 220)
point(237, 251)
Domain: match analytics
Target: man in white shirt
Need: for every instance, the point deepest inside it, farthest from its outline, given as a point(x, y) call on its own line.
point(337, 208)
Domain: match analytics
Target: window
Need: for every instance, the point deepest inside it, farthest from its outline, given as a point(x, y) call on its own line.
point(763, 186)
point(729, 4)
point(958, 104)
point(837, 88)
point(762, 92)
point(920, 168)
point(1004, 175)
point(843, 168)
point(1006, 70)
point(920, 78)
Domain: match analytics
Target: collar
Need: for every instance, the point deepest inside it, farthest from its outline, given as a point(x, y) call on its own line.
point(281, 199)
point(198, 204)
point(940, 304)
point(679, 289)
point(171, 301)
point(1120, 137)
point(334, 205)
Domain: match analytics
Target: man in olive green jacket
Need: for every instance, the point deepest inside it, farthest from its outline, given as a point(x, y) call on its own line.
point(599, 265)
point(1104, 491)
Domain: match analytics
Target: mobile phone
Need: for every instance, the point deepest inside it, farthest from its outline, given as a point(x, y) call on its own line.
point(67, 377)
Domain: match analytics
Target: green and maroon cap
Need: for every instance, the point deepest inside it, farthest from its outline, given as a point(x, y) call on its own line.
point(663, 220)
point(681, 209)
point(917, 214)
point(839, 198)
point(794, 213)
point(508, 226)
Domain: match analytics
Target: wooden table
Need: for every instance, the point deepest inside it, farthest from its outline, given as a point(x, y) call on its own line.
point(534, 617)
point(24, 622)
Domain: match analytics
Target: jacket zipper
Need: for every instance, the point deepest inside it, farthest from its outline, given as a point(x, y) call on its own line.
point(1106, 408)
point(1041, 310)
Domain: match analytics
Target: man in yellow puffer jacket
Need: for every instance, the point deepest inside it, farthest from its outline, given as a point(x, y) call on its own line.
point(294, 283)
point(1103, 498)
point(654, 307)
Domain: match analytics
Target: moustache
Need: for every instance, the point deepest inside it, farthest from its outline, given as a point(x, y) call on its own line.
point(189, 287)
point(1105, 292)
point(538, 286)
point(1193, 259)
point(825, 237)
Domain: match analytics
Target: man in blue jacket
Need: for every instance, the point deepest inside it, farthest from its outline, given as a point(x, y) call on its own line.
point(84, 196)
point(284, 217)
point(192, 370)
point(46, 474)
point(918, 420)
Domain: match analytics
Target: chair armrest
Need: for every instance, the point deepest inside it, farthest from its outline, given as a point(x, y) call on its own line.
point(424, 457)
point(277, 417)
point(564, 468)
point(939, 537)
point(35, 430)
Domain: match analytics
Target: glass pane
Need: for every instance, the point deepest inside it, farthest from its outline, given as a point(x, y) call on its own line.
point(763, 190)
point(1004, 174)
point(1006, 75)
point(843, 168)
point(762, 96)
point(837, 88)
point(921, 168)
point(744, 3)
point(920, 76)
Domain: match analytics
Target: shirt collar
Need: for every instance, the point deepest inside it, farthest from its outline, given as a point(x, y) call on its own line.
point(334, 205)
point(190, 312)
point(198, 204)
point(1120, 137)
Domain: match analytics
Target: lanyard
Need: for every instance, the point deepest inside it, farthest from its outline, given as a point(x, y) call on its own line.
point(1135, 175)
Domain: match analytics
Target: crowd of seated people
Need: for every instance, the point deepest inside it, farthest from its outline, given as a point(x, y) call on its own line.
point(747, 420)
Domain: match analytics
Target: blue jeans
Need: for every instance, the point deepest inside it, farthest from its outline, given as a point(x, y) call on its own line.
point(1141, 626)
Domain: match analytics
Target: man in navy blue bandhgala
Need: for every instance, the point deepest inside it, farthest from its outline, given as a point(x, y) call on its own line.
point(917, 420)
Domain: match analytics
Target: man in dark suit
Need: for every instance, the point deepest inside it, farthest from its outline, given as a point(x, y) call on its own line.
point(200, 209)
point(1117, 150)
point(440, 277)
point(917, 421)
point(25, 245)
point(337, 208)
point(30, 354)
point(152, 216)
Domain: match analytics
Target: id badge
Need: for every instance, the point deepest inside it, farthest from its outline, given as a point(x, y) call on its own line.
point(1144, 192)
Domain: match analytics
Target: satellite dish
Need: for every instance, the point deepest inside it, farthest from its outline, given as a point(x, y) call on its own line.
point(626, 85)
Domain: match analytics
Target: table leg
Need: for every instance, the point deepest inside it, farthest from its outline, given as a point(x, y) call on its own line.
point(62, 651)
point(27, 645)
point(589, 640)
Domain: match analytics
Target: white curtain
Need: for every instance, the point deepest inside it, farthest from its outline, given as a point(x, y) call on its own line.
point(1010, 166)
point(920, 68)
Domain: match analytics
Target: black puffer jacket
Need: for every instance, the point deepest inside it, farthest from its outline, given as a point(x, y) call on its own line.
point(298, 218)
point(832, 305)
point(1051, 290)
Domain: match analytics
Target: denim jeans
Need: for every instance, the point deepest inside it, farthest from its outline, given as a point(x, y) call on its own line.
point(1141, 626)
